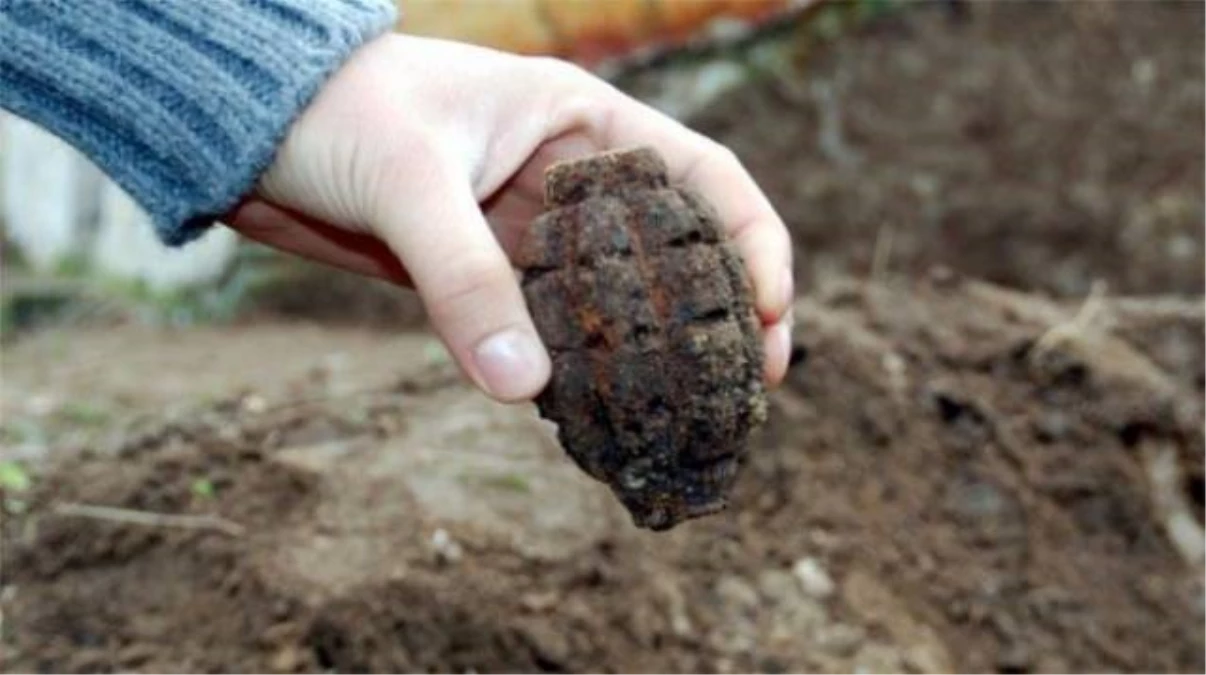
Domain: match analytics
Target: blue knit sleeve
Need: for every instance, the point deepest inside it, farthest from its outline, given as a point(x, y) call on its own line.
point(181, 102)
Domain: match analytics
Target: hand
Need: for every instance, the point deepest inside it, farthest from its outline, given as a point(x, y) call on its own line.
point(421, 161)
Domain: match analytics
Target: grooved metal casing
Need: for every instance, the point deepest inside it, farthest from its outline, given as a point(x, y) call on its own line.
point(657, 352)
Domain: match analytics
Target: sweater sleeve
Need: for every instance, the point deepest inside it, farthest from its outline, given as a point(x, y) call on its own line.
point(180, 102)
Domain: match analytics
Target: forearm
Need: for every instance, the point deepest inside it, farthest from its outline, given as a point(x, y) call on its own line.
point(181, 102)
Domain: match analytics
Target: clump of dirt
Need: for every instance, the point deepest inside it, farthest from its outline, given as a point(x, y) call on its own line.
point(955, 476)
point(1041, 146)
point(1026, 502)
point(657, 352)
point(108, 595)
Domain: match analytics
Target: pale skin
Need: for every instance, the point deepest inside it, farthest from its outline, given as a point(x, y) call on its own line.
point(421, 161)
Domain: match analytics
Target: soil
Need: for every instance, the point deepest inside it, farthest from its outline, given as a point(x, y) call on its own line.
point(957, 475)
point(1043, 146)
point(657, 357)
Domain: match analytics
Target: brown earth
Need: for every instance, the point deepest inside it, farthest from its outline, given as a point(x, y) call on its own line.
point(955, 476)
point(1040, 145)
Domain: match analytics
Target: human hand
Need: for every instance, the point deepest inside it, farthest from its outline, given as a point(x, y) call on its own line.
point(421, 161)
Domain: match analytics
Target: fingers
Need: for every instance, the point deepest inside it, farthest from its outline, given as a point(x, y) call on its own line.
point(752, 224)
point(434, 225)
point(314, 240)
point(777, 345)
point(718, 175)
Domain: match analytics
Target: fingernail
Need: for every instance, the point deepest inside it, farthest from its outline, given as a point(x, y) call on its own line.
point(786, 289)
point(778, 353)
point(512, 364)
point(783, 340)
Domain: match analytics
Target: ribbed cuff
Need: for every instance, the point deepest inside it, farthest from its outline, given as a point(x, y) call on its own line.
point(181, 102)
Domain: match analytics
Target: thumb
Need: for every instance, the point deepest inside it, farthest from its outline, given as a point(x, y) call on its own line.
point(433, 224)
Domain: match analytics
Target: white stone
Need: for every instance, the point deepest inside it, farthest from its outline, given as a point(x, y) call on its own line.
point(445, 547)
point(813, 578)
point(736, 593)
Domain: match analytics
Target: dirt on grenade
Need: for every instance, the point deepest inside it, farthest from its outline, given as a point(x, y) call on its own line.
point(657, 351)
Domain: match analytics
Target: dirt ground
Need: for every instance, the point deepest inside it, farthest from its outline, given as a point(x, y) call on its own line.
point(955, 477)
point(957, 474)
point(1043, 147)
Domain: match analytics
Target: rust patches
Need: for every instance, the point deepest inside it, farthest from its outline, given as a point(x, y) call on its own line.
point(590, 318)
point(591, 321)
point(657, 294)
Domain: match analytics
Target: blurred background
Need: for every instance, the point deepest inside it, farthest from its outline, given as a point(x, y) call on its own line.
point(987, 456)
point(972, 147)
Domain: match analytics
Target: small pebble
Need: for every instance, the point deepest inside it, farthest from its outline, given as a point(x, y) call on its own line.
point(446, 549)
point(813, 578)
point(539, 601)
point(736, 592)
point(254, 404)
point(778, 586)
point(840, 639)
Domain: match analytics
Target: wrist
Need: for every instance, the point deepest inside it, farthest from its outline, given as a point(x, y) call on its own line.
point(181, 103)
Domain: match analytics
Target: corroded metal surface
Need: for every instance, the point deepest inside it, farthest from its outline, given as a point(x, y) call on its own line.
point(656, 347)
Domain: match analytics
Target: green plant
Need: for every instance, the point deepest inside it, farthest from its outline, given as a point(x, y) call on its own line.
point(509, 482)
point(83, 414)
point(14, 477)
point(203, 488)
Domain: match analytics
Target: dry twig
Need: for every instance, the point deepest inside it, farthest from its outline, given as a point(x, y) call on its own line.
point(1172, 507)
point(1090, 316)
point(149, 518)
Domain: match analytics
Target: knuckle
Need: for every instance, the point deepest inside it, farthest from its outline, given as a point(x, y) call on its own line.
point(710, 162)
point(725, 156)
point(571, 78)
point(580, 111)
point(560, 68)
